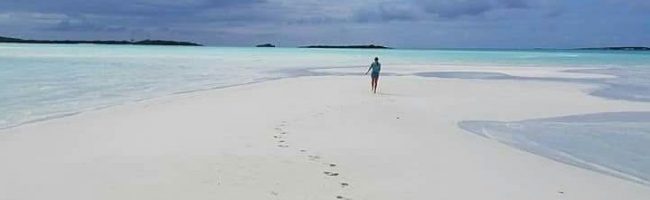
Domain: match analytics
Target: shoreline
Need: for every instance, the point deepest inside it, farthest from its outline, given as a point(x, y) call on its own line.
point(340, 71)
point(247, 141)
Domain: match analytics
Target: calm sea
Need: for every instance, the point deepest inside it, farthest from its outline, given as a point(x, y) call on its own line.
point(45, 81)
point(40, 82)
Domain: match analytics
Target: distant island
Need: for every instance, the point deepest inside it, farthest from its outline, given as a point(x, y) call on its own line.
point(265, 45)
point(142, 42)
point(618, 48)
point(372, 46)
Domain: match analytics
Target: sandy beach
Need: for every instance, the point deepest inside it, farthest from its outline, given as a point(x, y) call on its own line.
point(314, 137)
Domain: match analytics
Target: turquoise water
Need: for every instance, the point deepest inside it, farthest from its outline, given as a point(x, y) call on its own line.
point(611, 143)
point(44, 81)
point(40, 82)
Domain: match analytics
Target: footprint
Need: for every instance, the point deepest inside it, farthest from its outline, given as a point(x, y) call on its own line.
point(283, 145)
point(311, 157)
point(283, 132)
point(302, 150)
point(341, 197)
point(332, 165)
point(331, 173)
point(281, 141)
point(344, 184)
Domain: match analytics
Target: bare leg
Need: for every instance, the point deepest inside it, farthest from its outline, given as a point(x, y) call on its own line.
point(374, 84)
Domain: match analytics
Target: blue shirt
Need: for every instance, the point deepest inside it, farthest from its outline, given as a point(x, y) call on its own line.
point(376, 67)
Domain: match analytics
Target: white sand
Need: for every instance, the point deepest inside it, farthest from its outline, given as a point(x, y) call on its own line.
point(401, 144)
point(529, 72)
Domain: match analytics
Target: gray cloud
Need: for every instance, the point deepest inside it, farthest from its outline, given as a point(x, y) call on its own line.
point(443, 23)
point(454, 9)
point(514, 3)
point(414, 10)
point(450, 9)
point(83, 26)
point(386, 12)
point(123, 7)
point(140, 12)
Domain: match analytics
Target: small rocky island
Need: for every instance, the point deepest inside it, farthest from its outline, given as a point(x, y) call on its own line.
point(371, 46)
point(265, 45)
point(618, 48)
point(142, 42)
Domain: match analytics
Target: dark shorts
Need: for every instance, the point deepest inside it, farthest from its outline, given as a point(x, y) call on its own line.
point(374, 75)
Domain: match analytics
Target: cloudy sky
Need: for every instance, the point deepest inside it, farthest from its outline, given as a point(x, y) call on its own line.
point(398, 23)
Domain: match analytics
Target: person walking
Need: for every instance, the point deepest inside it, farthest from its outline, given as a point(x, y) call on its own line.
point(375, 67)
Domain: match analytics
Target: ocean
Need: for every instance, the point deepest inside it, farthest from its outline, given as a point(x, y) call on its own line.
point(45, 81)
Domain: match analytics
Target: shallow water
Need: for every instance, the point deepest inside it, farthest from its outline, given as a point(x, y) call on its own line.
point(611, 143)
point(45, 81)
point(632, 84)
point(40, 82)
